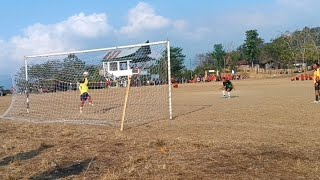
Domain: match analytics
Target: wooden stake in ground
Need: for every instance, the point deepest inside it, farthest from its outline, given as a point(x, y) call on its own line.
point(125, 103)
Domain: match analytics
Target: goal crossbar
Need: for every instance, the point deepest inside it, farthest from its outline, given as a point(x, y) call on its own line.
point(96, 50)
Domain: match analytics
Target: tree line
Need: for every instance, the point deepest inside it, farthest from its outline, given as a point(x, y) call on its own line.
point(289, 48)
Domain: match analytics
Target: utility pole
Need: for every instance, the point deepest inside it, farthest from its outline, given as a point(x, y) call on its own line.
point(190, 70)
point(224, 65)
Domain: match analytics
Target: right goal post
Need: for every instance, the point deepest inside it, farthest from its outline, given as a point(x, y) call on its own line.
point(46, 89)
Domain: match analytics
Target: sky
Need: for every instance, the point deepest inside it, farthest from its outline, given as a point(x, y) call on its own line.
point(35, 26)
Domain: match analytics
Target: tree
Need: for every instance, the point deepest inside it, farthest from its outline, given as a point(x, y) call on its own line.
point(276, 51)
point(47, 70)
point(252, 44)
point(307, 44)
point(186, 74)
point(232, 59)
point(204, 62)
point(219, 54)
point(176, 64)
point(177, 61)
point(303, 45)
point(73, 66)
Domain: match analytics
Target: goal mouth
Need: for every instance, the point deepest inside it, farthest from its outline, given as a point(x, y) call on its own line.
point(53, 87)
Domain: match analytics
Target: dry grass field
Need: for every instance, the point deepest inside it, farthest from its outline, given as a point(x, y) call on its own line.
point(268, 130)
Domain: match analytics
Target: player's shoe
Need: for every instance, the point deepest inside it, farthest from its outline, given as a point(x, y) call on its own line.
point(81, 109)
point(316, 102)
point(90, 103)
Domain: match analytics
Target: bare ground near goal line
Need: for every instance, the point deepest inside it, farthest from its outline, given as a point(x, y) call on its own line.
point(145, 104)
point(269, 130)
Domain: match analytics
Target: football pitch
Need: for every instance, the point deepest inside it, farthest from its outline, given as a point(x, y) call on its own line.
point(268, 130)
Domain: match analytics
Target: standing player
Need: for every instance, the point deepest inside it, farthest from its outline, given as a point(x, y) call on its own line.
point(227, 87)
point(316, 81)
point(84, 91)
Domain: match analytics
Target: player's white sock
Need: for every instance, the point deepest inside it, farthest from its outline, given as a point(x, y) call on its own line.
point(229, 94)
point(224, 93)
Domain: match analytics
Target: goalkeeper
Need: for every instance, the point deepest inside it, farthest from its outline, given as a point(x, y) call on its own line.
point(84, 91)
point(227, 87)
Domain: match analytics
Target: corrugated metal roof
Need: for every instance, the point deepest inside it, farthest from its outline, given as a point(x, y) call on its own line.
point(117, 54)
point(136, 54)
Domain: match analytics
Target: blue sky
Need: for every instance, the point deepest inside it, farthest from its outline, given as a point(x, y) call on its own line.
point(37, 26)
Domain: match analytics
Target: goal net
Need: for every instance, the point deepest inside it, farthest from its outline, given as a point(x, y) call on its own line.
point(130, 83)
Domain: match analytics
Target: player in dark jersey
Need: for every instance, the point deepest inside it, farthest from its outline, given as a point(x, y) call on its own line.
point(227, 87)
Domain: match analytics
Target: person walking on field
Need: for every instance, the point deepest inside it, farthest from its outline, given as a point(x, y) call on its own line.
point(316, 81)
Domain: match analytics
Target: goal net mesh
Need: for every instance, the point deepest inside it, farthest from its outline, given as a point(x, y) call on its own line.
point(46, 90)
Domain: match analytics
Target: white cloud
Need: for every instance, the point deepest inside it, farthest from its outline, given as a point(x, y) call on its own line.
point(281, 13)
point(6, 52)
point(40, 38)
point(90, 26)
point(143, 21)
point(232, 27)
point(180, 25)
point(270, 19)
point(2, 46)
point(7, 63)
point(67, 35)
point(141, 18)
point(79, 30)
point(196, 34)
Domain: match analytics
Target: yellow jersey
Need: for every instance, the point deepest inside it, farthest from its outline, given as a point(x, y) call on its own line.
point(83, 87)
point(316, 76)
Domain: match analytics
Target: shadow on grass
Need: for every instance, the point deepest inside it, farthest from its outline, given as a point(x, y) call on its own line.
point(25, 155)
point(201, 107)
point(105, 110)
point(154, 119)
point(63, 172)
point(226, 97)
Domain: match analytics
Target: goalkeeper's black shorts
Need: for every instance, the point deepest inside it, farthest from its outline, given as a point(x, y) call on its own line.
point(317, 86)
point(84, 96)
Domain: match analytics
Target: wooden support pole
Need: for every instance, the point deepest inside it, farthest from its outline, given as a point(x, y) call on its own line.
point(125, 103)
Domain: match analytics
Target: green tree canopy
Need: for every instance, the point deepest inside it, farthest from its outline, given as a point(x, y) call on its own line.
point(177, 61)
point(219, 54)
point(252, 44)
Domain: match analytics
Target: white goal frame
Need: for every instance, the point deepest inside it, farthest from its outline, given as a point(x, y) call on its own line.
point(167, 43)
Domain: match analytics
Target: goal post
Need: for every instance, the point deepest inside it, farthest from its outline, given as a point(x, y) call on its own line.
point(47, 87)
point(26, 85)
point(169, 79)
